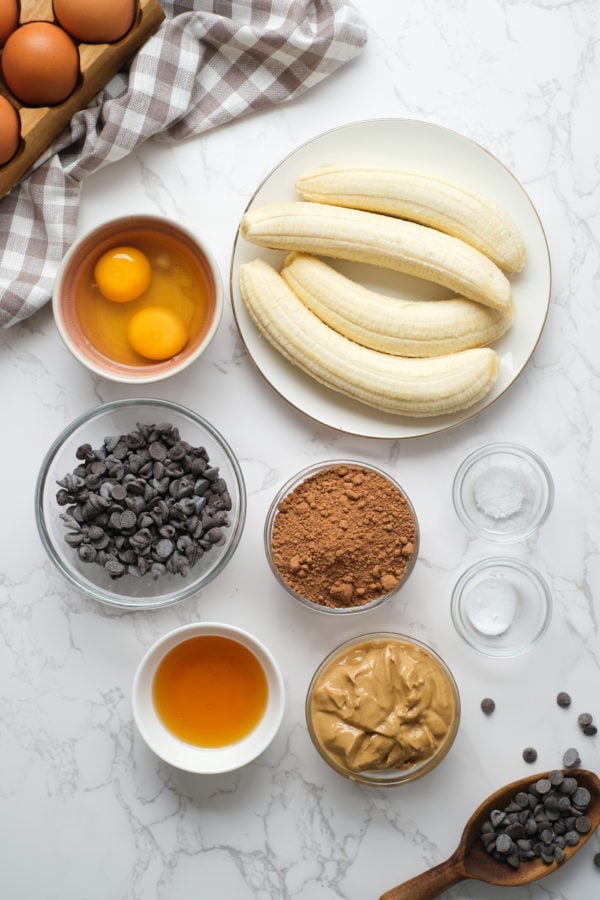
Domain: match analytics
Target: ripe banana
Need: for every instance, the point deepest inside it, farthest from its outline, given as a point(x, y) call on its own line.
point(390, 324)
point(420, 197)
point(412, 387)
point(381, 241)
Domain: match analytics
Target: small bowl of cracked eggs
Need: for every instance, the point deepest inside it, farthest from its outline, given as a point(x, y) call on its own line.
point(138, 299)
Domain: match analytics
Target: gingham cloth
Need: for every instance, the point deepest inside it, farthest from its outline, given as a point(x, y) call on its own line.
point(210, 61)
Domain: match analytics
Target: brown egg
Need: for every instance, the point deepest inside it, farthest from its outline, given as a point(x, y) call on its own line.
point(96, 22)
point(40, 64)
point(10, 131)
point(9, 18)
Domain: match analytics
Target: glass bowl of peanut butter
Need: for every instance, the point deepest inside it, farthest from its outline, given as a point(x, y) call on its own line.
point(383, 709)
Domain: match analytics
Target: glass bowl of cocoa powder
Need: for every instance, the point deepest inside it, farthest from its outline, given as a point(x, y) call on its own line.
point(341, 537)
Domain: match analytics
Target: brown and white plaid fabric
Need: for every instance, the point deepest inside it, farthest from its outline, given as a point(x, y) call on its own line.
point(210, 61)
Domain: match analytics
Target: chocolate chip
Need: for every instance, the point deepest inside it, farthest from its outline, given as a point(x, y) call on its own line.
point(571, 758)
point(488, 705)
point(530, 754)
point(581, 797)
point(563, 699)
point(590, 730)
point(583, 824)
point(548, 822)
point(584, 719)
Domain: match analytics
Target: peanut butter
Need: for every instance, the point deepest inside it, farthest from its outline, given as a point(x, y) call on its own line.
point(382, 704)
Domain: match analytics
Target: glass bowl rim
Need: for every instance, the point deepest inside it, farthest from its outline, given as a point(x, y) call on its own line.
point(295, 481)
point(88, 588)
point(508, 562)
point(405, 776)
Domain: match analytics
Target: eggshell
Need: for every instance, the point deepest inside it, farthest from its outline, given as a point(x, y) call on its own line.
point(40, 64)
point(9, 18)
point(10, 130)
point(96, 23)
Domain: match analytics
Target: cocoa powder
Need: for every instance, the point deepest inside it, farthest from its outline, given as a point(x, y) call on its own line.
point(343, 537)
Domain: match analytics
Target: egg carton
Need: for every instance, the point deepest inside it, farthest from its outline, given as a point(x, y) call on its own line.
point(97, 64)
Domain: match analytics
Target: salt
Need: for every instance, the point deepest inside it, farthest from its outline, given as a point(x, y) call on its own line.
point(500, 493)
point(491, 605)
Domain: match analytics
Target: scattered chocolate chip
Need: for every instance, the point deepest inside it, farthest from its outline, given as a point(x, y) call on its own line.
point(590, 730)
point(530, 754)
point(571, 758)
point(597, 859)
point(563, 699)
point(488, 705)
point(584, 719)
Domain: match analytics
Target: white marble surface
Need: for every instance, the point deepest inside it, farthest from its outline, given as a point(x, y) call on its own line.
point(88, 812)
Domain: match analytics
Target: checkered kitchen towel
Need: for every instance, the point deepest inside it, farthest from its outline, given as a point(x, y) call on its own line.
point(210, 61)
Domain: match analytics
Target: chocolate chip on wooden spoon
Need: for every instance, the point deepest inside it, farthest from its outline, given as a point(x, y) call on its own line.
point(472, 860)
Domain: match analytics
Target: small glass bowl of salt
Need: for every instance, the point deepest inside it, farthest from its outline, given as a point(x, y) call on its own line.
point(501, 606)
point(503, 492)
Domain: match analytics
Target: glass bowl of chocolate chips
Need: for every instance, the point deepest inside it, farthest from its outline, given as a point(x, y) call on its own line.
point(140, 503)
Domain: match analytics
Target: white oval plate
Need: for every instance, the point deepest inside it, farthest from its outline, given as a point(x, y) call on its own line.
point(409, 143)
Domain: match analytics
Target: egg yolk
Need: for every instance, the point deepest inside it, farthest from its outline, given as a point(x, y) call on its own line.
point(122, 274)
point(157, 333)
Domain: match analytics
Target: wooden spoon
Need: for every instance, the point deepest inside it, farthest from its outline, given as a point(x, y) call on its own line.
point(471, 860)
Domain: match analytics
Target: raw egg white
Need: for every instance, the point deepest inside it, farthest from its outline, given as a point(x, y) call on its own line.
point(156, 332)
point(122, 274)
point(93, 22)
point(10, 130)
point(9, 18)
point(40, 64)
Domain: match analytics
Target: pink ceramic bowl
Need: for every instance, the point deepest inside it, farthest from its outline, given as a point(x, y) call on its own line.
point(74, 303)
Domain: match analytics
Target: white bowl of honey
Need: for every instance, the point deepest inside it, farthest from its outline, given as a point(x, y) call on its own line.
point(138, 299)
point(208, 698)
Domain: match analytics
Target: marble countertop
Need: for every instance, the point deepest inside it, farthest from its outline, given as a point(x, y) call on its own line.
point(88, 811)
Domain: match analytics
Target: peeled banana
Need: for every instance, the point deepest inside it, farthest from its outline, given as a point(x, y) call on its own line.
point(412, 387)
point(420, 197)
point(390, 324)
point(379, 240)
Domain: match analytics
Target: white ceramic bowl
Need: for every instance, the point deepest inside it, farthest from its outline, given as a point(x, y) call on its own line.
point(188, 757)
point(77, 268)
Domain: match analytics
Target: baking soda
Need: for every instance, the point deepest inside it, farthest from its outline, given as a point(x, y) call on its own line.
point(491, 605)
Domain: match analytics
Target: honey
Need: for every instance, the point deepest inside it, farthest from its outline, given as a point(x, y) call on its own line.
point(210, 691)
point(178, 284)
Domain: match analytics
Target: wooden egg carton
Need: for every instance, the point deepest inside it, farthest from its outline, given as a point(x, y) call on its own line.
point(97, 63)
